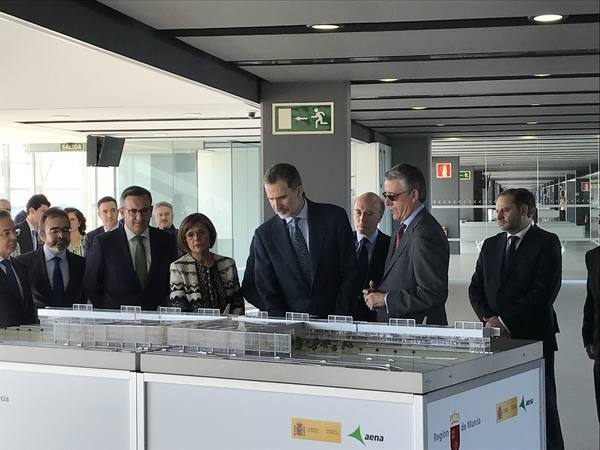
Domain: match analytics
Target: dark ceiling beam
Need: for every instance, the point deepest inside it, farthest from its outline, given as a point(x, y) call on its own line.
point(491, 94)
point(389, 119)
point(517, 131)
point(366, 134)
point(172, 119)
point(361, 27)
point(480, 78)
point(419, 58)
point(439, 108)
point(104, 27)
point(485, 124)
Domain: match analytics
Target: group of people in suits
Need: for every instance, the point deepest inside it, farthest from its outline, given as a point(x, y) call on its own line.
point(300, 261)
point(306, 259)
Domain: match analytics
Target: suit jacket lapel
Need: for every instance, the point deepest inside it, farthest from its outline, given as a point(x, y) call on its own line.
point(41, 260)
point(522, 249)
point(154, 250)
point(394, 253)
point(5, 282)
point(498, 259)
point(126, 254)
point(317, 234)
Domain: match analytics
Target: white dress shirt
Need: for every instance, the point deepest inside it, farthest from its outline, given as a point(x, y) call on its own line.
point(64, 266)
point(302, 224)
point(133, 243)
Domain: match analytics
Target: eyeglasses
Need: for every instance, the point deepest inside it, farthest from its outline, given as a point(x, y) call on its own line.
point(57, 230)
point(393, 197)
point(142, 212)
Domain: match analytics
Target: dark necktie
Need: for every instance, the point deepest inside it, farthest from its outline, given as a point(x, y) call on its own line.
point(140, 264)
point(400, 234)
point(12, 279)
point(509, 256)
point(58, 284)
point(362, 256)
point(301, 249)
point(34, 239)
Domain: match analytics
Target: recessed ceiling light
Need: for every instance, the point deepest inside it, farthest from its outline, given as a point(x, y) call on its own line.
point(419, 108)
point(541, 75)
point(535, 104)
point(532, 123)
point(388, 80)
point(528, 137)
point(324, 26)
point(453, 139)
point(548, 18)
point(440, 124)
point(61, 116)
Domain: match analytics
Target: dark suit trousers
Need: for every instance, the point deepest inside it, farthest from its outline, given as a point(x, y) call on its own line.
point(597, 385)
point(554, 438)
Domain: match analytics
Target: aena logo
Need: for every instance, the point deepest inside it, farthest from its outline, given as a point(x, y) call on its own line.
point(525, 403)
point(360, 437)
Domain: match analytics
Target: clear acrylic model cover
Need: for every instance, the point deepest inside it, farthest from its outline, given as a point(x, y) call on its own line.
point(400, 345)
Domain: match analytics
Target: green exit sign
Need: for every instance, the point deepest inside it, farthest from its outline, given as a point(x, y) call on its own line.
point(303, 118)
point(464, 175)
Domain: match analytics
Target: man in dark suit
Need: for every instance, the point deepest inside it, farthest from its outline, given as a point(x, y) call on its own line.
point(414, 284)
point(591, 317)
point(516, 280)
point(108, 214)
point(371, 249)
point(304, 256)
point(55, 274)
point(28, 230)
point(16, 306)
point(130, 265)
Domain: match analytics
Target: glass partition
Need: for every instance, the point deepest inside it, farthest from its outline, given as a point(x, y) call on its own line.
point(220, 179)
point(561, 171)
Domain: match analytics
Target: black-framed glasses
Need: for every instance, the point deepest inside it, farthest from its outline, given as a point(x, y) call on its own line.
point(393, 197)
point(143, 212)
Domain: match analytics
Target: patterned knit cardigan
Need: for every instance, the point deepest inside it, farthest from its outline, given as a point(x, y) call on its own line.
point(185, 291)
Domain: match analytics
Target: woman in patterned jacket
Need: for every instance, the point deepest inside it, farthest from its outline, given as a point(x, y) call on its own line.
point(200, 278)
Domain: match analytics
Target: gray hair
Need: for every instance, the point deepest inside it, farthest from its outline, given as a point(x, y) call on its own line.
point(167, 204)
point(411, 176)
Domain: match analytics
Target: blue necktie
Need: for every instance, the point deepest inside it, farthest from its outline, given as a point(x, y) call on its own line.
point(301, 249)
point(362, 256)
point(10, 274)
point(34, 239)
point(58, 285)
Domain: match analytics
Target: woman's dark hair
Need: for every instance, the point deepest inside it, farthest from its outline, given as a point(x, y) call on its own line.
point(189, 222)
point(80, 217)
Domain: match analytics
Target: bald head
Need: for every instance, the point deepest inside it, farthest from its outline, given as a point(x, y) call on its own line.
point(4, 204)
point(367, 213)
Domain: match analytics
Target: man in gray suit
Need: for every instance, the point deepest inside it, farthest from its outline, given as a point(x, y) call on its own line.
point(415, 278)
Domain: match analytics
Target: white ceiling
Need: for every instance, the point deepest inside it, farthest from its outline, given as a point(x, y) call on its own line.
point(46, 76)
point(458, 70)
point(475, 76)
